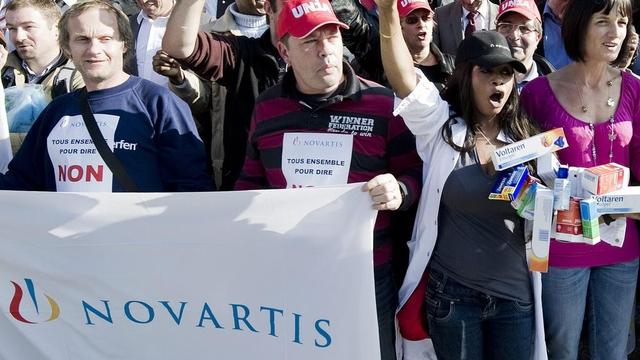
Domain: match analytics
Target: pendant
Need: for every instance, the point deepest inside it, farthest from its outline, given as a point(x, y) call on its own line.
point(584, 108)
point(612, 134)
point(610, 102)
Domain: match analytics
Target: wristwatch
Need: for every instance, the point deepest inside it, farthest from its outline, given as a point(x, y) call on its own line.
point(403, 191)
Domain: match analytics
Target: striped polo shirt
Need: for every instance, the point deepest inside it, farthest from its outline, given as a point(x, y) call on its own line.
point(381, 142)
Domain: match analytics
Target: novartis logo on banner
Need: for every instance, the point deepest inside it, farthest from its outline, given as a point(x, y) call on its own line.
point(261, 319)
point(17, 303)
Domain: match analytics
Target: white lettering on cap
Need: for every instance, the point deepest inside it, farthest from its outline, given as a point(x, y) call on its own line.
point(405, 3)
point(511, 3)
point(309, 7)
point(499, 46)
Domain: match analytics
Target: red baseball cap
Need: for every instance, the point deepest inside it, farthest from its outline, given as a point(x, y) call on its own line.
point(405, 7)
point(526, 8)
point(299, 18)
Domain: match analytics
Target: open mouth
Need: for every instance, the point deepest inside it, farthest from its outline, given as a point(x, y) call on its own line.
point(497, 96)
point(422, 35)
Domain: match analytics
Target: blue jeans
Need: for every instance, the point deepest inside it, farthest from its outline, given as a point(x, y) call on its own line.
point(467, 324)
point(386, 303)
point(604, 294)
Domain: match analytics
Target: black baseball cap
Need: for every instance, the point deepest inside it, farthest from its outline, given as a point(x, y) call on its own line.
point(487, 49)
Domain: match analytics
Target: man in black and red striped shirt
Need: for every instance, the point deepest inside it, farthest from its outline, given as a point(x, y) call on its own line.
point(323, 125)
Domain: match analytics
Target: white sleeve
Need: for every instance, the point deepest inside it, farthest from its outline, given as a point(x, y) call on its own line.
point(423, 110)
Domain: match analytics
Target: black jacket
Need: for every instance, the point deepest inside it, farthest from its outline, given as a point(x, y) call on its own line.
point(362, 39)
point(544, 66)
point(245, 67)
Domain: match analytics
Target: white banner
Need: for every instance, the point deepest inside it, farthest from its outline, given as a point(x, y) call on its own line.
point(285, 274)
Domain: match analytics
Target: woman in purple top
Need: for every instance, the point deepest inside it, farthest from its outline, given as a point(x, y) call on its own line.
point(598, 106)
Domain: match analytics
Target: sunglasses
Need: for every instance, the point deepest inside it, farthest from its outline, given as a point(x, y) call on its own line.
point(413, 19)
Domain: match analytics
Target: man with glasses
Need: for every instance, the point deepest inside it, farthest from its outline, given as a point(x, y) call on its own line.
point(519, 21)
point(459, 19)
point(416, 19)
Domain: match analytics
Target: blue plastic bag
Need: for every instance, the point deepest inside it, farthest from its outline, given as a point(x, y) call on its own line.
point(24, 104)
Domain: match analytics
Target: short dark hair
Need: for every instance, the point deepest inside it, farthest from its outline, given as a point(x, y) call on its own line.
point(123, 31)
point(577, 17)
point(49, 10)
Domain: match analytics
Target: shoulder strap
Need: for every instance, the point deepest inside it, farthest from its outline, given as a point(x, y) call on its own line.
point(64, 76)
point(114, 164)
point(62, 81)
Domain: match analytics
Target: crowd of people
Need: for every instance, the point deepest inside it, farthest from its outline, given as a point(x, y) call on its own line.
point(409, 97)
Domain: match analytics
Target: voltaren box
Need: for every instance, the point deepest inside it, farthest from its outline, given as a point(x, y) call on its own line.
point(529, 149)
point(509, 183)
point(604, 179)
point(623, 201)
point(538, 248)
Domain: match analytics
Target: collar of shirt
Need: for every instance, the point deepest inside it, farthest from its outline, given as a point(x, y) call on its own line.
point(143, 16)
point(530, 75)
point(481, 18)
point(246, 20)
point(35, 78)
point(352, 90)
point(548, 13)
point(502, 137)
point(148, 42)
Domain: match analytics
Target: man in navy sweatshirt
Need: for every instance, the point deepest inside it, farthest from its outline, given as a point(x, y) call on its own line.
point(150, 131)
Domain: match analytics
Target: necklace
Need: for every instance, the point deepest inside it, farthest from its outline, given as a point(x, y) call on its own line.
point(485, 137)
point(610, 102)
point(612, 134)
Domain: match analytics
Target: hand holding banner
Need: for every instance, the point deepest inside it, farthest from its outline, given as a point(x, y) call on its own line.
point(284, 274)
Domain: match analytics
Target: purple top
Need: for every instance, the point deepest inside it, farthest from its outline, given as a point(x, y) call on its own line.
point(540, 103)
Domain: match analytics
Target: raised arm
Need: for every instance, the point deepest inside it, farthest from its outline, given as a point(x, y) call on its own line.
point(182, 28)
point(396, 58)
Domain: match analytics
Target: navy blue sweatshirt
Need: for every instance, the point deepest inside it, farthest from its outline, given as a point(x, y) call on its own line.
point(149, 129)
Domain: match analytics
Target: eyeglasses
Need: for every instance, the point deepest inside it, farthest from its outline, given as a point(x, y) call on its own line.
point(508, 28)
point(413, 19)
